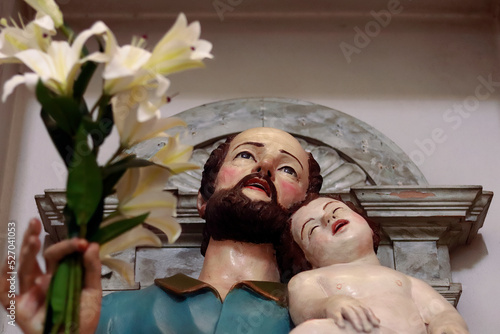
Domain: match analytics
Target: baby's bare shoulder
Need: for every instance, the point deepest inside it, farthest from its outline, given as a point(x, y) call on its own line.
point(308, 278)
point(350, 272)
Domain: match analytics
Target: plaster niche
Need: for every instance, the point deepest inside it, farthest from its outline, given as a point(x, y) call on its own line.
point(420, 223)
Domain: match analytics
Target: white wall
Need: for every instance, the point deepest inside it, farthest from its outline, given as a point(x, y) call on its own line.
point(402, 83)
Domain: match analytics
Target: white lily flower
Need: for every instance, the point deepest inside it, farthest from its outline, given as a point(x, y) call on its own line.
point(132, 65)
point(48, 7)
point(126, 111)
point(138, 236)
point(181, 41)
point(13, 39)
point(140, 190)
point(59, 66)
point(146, 100)
point(29, 79)
point(174, 156)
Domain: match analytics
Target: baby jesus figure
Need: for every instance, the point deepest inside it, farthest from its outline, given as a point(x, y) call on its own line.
point(348, 290)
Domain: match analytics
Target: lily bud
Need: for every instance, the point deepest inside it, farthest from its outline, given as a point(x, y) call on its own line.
point(48, 7)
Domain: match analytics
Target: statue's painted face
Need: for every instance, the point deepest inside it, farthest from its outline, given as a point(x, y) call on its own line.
point(272, 152)
point(329, 232)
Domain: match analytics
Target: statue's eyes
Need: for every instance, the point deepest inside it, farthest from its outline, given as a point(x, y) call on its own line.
point(289, 170)
point(312, 230)
point(245, 155)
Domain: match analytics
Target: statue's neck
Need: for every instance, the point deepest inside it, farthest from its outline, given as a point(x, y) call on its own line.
point(228, 262)
point(367, 259)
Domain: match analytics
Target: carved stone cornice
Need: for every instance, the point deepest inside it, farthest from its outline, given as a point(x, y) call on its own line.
point(451, 215)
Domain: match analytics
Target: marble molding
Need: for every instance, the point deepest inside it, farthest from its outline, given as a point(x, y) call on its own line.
point(420, 224)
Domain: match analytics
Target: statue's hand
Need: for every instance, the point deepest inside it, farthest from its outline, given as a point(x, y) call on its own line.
point(448, 322)
point(344, 308)
point(33, 282)
point(449, 329)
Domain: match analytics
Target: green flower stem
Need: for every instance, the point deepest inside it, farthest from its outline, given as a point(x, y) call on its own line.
point(67, 32)
point(116, 155)
point(104, 101)
point(68, 321)
point(64, 316)
point(83, 231)
point(97, 104)
point(73, 312)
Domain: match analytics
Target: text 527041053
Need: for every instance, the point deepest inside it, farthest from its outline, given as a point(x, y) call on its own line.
point(11, 274)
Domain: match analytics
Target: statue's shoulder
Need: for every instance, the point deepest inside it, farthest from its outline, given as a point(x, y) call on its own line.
point(167, 305)
point(182, 285)
point(275, 291)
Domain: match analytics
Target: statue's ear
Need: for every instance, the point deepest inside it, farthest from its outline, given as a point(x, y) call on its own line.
point(201, 205)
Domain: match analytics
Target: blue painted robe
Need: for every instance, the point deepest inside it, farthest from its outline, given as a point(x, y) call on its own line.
point(180, 304)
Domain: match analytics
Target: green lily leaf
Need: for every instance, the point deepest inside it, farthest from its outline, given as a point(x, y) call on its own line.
point(65, 111)
point(110, 232)
point(59, 292)
point(96, 132)
point(102, 127)
point(130, 161)
point(112, 173)
point(86, 72)
point(105, 119)
point(82, 82)
point(70, 221)
point(96, 219)
point(84, 187)
point(61, 139)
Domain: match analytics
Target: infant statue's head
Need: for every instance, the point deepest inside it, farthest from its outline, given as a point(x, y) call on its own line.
point(329, 231)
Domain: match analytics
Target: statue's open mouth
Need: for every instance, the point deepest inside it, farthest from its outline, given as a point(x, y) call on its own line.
point(338, 225)
point(259, 184)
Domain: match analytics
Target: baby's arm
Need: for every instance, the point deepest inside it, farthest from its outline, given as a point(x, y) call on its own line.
point(440, 316)
point(309, 300)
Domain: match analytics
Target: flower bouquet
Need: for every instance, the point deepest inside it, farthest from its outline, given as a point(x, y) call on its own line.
point(133, 89)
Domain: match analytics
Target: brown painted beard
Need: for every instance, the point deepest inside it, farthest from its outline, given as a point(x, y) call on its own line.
point(230, 215)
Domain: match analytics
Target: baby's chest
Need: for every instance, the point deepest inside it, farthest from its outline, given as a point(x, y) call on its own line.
point(365, 283)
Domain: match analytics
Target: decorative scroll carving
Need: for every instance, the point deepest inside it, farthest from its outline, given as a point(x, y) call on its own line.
point(338, 174)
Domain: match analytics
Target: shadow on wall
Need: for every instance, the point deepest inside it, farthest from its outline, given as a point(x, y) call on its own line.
point(467, 256)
